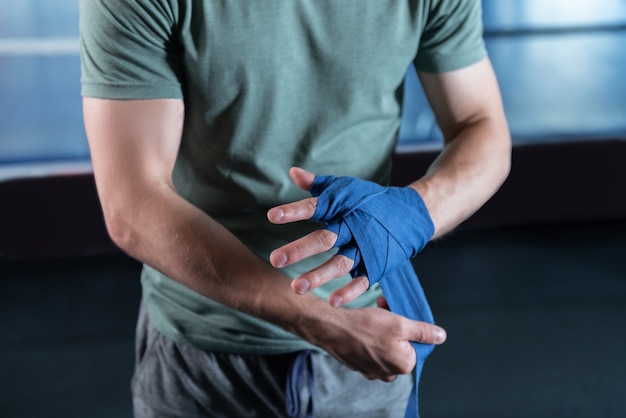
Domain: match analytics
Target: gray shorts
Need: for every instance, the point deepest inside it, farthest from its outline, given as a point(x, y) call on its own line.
point(178, 380)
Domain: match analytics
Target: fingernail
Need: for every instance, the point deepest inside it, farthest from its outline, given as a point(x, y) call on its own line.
point(301, 286)
point(277, 215)
point(336, 300)
point(440, 335)
point(280, 259)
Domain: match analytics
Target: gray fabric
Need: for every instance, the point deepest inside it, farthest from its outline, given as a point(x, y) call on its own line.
point(176, 380)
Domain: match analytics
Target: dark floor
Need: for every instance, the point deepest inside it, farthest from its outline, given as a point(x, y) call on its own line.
point(66, 346)
point(536, 320)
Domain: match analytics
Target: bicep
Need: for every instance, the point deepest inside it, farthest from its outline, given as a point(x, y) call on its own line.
point(133, 143)
point(461, 97)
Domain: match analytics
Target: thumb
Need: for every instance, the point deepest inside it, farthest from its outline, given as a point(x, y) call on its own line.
point(302, 178)
point(425, 333)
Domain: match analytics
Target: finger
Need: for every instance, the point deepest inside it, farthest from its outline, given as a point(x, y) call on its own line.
point(349, 292)
point(381, 302)
point(302, 178)
point(296, 211)
point(425, 333)
point(316, 242)
point(335, 267)
point(292, 212)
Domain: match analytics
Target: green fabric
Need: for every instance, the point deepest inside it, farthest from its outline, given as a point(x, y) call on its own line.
point(267, 84)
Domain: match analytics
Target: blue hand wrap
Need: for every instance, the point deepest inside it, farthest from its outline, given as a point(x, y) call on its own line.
point(405, 296)
point(380, 228)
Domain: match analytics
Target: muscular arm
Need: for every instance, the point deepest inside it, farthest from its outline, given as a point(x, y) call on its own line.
point(477, 146)
point(133, 146)
point(473, 164)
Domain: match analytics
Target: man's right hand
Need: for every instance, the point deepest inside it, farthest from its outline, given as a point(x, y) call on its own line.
point(372, 341)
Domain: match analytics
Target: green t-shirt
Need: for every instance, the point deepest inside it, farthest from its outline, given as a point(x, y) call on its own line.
point(267, 85)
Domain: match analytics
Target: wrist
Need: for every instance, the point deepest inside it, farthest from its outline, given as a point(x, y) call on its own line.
point(429, 200)
point(311, 318)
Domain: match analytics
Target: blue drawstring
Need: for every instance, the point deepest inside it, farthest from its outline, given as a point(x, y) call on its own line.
point(301, 367)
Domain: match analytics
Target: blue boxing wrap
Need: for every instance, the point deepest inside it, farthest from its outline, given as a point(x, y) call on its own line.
point(381, 229)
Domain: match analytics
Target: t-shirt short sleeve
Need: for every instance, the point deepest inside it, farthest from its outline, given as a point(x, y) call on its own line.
point(452, 37)
point(129, 50)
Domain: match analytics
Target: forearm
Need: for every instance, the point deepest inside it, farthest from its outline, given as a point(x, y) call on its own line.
point(471, 168)
point(134, 144)
point(163, 230)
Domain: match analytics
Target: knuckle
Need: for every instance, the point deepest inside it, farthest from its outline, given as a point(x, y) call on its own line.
point(356, 288)
point(344, 264)
point(362, 284)
point(326, 238)
point(405, 368)
point(420, 334)
point(315, 279)
point(296, 252)
point(311, 204)
point(400, 328)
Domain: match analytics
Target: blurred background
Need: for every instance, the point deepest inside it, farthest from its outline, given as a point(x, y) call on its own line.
point(531, 289)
